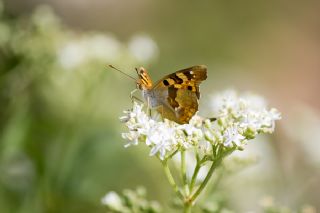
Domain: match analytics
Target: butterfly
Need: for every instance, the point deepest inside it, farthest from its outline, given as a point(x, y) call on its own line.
point(175, 96)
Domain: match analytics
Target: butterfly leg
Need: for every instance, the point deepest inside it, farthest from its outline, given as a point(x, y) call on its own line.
point(149, 108)
point(210, 119)
point(162, 112)
point(134, 98)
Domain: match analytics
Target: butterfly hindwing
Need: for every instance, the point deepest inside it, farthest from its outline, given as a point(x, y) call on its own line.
point(181, 90)
point(187, 106)
point(179, 106)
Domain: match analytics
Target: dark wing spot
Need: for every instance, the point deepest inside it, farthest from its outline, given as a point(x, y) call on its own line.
point(165, 82)
point(189, 75)
point(176, 79)
point(190, 88)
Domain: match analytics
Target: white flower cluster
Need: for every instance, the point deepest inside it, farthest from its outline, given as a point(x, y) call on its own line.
point(237, 119)
point(162, 136)
point(130, 201)
point(247, 112)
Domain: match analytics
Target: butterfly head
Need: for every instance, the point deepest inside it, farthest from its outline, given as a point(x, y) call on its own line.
point(144, 82)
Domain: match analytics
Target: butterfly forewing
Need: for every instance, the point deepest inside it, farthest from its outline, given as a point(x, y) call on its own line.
point(183, 78)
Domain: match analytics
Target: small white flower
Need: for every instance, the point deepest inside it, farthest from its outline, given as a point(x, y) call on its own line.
point(161, 148)
point(232, 135)
point(132, 136)
point(160, 136)
point(113, 201)
point(250, 120)
point(196, 121)
point(191, 135)
point(162, 139)
point(205, 147)
point(268, 119)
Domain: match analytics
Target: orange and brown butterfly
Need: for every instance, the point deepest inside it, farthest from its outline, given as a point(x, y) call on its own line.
point(175, 96)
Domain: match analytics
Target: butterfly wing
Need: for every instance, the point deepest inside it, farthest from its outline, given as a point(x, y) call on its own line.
point(178, 93)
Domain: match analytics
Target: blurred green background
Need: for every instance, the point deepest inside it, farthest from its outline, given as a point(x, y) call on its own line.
point(60, 143)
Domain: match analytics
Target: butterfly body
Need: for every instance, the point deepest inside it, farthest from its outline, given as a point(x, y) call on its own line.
point(154, 98)
point(175, 96)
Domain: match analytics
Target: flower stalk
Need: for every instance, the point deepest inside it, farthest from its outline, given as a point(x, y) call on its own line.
point(194, 176)
point(171, 179)
point(184, 173)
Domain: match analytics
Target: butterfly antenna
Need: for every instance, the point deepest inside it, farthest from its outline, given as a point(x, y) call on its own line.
point(122, 72)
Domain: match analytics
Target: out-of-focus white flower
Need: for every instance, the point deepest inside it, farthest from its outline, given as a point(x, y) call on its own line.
point(132, 136)
point(103, 47)
point(143, 47)
point(130, 201)
point(302, 125)
point(238, 120)
point(113, 201)
point(253, 101)
point(95, 47)
point(71, 54)
point(223, 102)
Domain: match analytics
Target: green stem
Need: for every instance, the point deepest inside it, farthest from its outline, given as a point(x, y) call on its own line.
point(187, 208)
point(219, 155)
point(173, 154)
point(171, 180)
point(217, 180)
point(206, 180)
point(195, 175)
point(184, 172)
point(215, 183)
